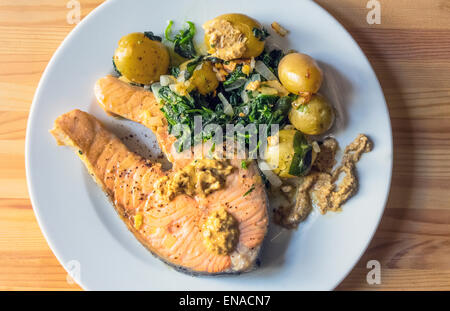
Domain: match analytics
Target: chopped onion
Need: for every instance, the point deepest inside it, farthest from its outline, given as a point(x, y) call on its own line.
point(262, 69)
point(264, 90)
point(315, 146)
point(199, 66)
point(245, 109)
point(155, 89)
point(173, 88)
point(181, 76)
point(252, 63)
point(235, 85)
point(227, 108)
point(256, 77)
point(271, 176)
point(165, 80)
point(279, 29)
point(245, 97)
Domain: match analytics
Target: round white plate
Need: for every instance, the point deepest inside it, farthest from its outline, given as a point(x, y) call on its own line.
point(82, 227)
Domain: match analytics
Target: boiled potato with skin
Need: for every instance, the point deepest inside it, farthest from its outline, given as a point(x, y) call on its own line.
point(232, 29)
point(203, 79)
point(140, 59)
point(314, 117)
point(290, 155)
point(300, 73)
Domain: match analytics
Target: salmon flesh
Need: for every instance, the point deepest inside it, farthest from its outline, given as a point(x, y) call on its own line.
point(170, 229)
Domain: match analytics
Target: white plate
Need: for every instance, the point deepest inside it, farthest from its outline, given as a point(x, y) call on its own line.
point(82, 227)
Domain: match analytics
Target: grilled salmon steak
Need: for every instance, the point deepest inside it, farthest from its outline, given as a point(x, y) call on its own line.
point(170, 228)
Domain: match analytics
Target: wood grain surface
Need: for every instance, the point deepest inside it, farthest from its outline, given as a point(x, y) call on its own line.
point(410, 52)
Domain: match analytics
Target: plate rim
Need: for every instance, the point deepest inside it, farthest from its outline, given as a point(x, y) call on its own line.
point(44, 77)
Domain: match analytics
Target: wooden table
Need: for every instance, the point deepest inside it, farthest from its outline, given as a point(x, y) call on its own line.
point(410, 52)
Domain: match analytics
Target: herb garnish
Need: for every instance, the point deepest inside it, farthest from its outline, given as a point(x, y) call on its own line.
point(250, 190)
point(244, 164)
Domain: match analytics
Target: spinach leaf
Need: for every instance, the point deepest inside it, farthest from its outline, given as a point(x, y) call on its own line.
point(115, 68)
point(190, 67)
point(175, 71)
point(301, 162)
point(183, 41)
point(271, 59)
point(151, 36)
point(260, 33)
point(236, 74)
point(214, 60)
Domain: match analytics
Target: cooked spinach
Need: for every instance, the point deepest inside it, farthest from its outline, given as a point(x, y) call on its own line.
point(190, 67)
point(151, 36)
point(182, 110)
point(261, 109)
point(271, 59)
point(258, 109)
point(236, 74)
point(214, 60)
point(183, 41)
point(260, 33)
point(175, 71)
point(301, 162)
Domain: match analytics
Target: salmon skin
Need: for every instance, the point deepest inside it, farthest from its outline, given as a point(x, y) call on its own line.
point(171, 230)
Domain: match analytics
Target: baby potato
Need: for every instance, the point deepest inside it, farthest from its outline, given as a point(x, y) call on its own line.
point(314, 117)
point(140, 59)
point(231, 36)
point(203, 79)
point(291, 155)
point(299, 73)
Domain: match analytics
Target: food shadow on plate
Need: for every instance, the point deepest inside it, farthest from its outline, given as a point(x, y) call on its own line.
point(274, 253)
point(274, 247)
point(338, 89)
point(142, 141)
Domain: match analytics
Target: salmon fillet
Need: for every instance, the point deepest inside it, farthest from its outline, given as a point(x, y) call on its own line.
point(137, 104)
point(171, 230)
